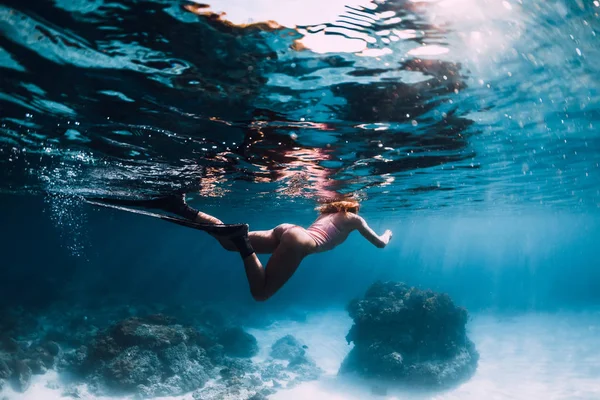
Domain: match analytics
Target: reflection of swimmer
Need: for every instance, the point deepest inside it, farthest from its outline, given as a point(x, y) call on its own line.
point(287, 243)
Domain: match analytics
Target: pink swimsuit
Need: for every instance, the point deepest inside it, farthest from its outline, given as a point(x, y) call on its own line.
point(324, 233)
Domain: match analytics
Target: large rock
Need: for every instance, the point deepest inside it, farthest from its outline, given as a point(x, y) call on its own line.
point(149, 357)
point(409, 335)
point(238, 343)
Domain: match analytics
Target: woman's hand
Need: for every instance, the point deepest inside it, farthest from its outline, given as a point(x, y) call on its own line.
point(386, 237)
point(370, 235)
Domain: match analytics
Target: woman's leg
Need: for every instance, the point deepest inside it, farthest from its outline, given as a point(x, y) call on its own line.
point(263, 242)
point(265, 282)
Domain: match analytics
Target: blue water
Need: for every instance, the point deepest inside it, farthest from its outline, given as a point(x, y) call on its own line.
point(470, 128)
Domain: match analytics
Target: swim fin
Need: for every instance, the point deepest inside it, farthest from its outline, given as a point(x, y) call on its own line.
point(221, 230)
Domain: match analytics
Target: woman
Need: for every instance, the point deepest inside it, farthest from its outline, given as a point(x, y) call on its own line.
point(287, 243)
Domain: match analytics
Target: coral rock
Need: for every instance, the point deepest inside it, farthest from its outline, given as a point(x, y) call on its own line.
point(409, 335)
point(144, 356)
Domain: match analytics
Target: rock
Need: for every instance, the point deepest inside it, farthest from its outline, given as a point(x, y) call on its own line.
point(37, 366)
point(52, 348)
point(74, 359)
point(290, 349)
point(103, 347)
point(52, 385)
point(275, 373)
point(216, 353)
point(22, 376)
point(133, 367)
point(245, 366)
point(147, 334)
point(146, 356)
point(187, 367)
point(238, 343)
point(408, 335)
point(40, 357)
point(287, 348)
point(305, 368)
point(72, 391)
point(5, 371)
point(258, 396)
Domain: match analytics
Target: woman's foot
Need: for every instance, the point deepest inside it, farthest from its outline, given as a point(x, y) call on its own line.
point(227, 231)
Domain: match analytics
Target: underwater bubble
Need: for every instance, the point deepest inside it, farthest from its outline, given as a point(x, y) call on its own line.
point(69, 218)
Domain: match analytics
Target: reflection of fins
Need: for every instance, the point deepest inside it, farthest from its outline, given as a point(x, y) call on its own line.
point(224, 230)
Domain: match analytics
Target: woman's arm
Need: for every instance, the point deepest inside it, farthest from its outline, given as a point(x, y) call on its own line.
point(370, 235)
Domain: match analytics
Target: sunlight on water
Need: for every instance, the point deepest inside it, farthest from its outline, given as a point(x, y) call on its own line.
point(423, 105)
point(291, 13)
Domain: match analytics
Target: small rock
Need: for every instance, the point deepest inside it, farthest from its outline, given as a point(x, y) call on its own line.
point(258, 396)
point(22, 376)
point(238, 343)
point(287, 348)
point(216, 353)
point(133, 367)
point(73, 359)
point(5, 371)
point(72, 391)
point(37, 366)
point(267, 391)
point(141, 332)
point(305, 368)
point(52, 348)
point(273, 371)
point(226, 373)
point(52, 385)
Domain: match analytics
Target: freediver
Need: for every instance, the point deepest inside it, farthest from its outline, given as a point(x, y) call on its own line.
point(289, 244)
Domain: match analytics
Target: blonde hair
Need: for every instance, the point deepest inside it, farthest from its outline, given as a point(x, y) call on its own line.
point(339, 206)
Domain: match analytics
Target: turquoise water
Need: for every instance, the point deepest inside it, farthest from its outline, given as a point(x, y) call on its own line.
point(469, 128)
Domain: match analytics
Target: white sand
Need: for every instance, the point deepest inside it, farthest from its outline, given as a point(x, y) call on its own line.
point(529, 357)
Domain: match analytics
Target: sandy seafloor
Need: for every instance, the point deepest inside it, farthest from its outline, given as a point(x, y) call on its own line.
point(523, 356)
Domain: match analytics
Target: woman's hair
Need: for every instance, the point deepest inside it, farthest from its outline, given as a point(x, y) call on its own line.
point(339, 206)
